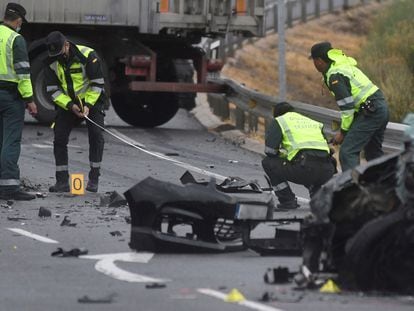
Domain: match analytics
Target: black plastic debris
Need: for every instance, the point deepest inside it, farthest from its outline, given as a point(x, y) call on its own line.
point(115, 233)
point(172, 154)
point(155, 285)
point(44, 212)
point(67, 222)
point(106, 299)
point(279, 275)
point(16, 218)
point(75, 252)
point(38, 133)
point(112, 199)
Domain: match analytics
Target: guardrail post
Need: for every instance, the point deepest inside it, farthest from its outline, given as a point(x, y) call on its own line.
point(240, 118)
point(346, 4)
point(275, 20)
point(253, 123)
point(303, 10)
point(219, 105)
point(330, 6)
point(317, 8)
point(289, 7)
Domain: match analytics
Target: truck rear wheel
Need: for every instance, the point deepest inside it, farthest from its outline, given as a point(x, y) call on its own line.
point(45, 107)
point(145, 109)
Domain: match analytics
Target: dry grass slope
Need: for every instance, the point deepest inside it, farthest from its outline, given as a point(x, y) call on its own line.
point(256, 65)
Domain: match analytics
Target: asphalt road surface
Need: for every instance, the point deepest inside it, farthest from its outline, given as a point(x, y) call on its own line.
point(113, 277)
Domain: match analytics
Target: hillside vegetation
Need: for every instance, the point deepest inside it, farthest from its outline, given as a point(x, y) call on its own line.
point(256, 65)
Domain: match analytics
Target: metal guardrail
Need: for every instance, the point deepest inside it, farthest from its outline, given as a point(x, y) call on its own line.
point(296, 10)
point(251, 108)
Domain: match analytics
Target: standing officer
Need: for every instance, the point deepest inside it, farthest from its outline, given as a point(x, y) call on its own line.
point(296, 151)
point(364, 111)
point(75, 81)
point(15, 94)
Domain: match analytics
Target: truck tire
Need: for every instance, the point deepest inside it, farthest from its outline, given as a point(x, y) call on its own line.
point(45, 107)
point(145, 109)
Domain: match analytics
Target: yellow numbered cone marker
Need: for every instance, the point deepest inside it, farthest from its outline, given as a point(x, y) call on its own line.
point(330, 287)
point(235, 296)
point(77, 184)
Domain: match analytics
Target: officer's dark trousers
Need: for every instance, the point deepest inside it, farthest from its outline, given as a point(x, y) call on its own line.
point(65, 121)
point(11, 126)
point(366, 133)
point(312, 174)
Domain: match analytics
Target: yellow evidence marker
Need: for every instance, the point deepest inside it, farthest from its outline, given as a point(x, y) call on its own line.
point(77, 184)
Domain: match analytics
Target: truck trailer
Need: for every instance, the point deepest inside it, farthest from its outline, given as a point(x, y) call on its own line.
point(150, 48)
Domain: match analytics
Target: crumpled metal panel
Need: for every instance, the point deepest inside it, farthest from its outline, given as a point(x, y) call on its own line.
point(158, 207)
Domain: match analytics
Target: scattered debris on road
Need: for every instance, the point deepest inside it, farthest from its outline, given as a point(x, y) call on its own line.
point(106, 299)
point(44, 212)
point(115, 233)
point(75, 252)
point(112, 199)
point(155, 285)
point(67, 222)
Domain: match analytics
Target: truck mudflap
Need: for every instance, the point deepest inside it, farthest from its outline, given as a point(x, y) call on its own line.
point(170, 218)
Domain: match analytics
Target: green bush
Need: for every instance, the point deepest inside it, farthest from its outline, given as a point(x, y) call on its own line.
point(388, 56)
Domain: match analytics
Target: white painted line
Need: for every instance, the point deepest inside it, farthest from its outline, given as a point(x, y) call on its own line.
point(42, 146)
point(246, 303)
point(106, 265)
point(32, 235)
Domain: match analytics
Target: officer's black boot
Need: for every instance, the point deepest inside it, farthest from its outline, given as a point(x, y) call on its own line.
point(93, 181)
point(62, 182)
point(287, 199)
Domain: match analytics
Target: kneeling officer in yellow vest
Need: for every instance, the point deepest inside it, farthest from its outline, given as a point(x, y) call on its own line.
point(75, 82)
point(296, 151)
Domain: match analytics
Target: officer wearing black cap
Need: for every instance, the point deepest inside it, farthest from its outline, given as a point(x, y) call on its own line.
point(296, 151)
point(364, 111)
point(75, 82)
point(16, 94)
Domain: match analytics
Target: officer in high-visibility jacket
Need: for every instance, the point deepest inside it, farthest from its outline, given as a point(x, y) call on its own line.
point(296, 151)
point(16, 94)
point(364, 111)
point(75, 81)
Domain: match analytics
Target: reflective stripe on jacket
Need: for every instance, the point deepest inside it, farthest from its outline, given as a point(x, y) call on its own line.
point(361, 85)
point(10, 71)
point(88, 90)
point(300, 132)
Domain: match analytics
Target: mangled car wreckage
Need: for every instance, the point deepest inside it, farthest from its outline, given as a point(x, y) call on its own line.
point(361, 226)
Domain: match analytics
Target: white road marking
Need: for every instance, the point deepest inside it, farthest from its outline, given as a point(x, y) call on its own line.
point(246, 303)
point(106, 265)
point(32, 235)
point(42, 146)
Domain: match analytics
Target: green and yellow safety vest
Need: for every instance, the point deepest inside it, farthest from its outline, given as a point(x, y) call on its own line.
point(361, 85)
point(8, 67)
point(300, 132)
point(81, 84)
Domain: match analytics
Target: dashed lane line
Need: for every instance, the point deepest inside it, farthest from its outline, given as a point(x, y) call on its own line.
point(33, 235)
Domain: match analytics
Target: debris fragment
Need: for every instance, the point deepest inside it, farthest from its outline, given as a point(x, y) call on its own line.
point(283, 296)
point(39, 133)
point(116, 233)
point(277, 275)
point(66, 222)
point(75, 252)
point(155, 285)
point(112, 199)
point(172, 154)
point(233, 161)
point(210, 166)
point(41, 195)
point(235, 296)
point(44, 212)
point(16, 218)
point(106, 299)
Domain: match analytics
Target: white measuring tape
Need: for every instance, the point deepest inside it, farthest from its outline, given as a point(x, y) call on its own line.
point(161, 156)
